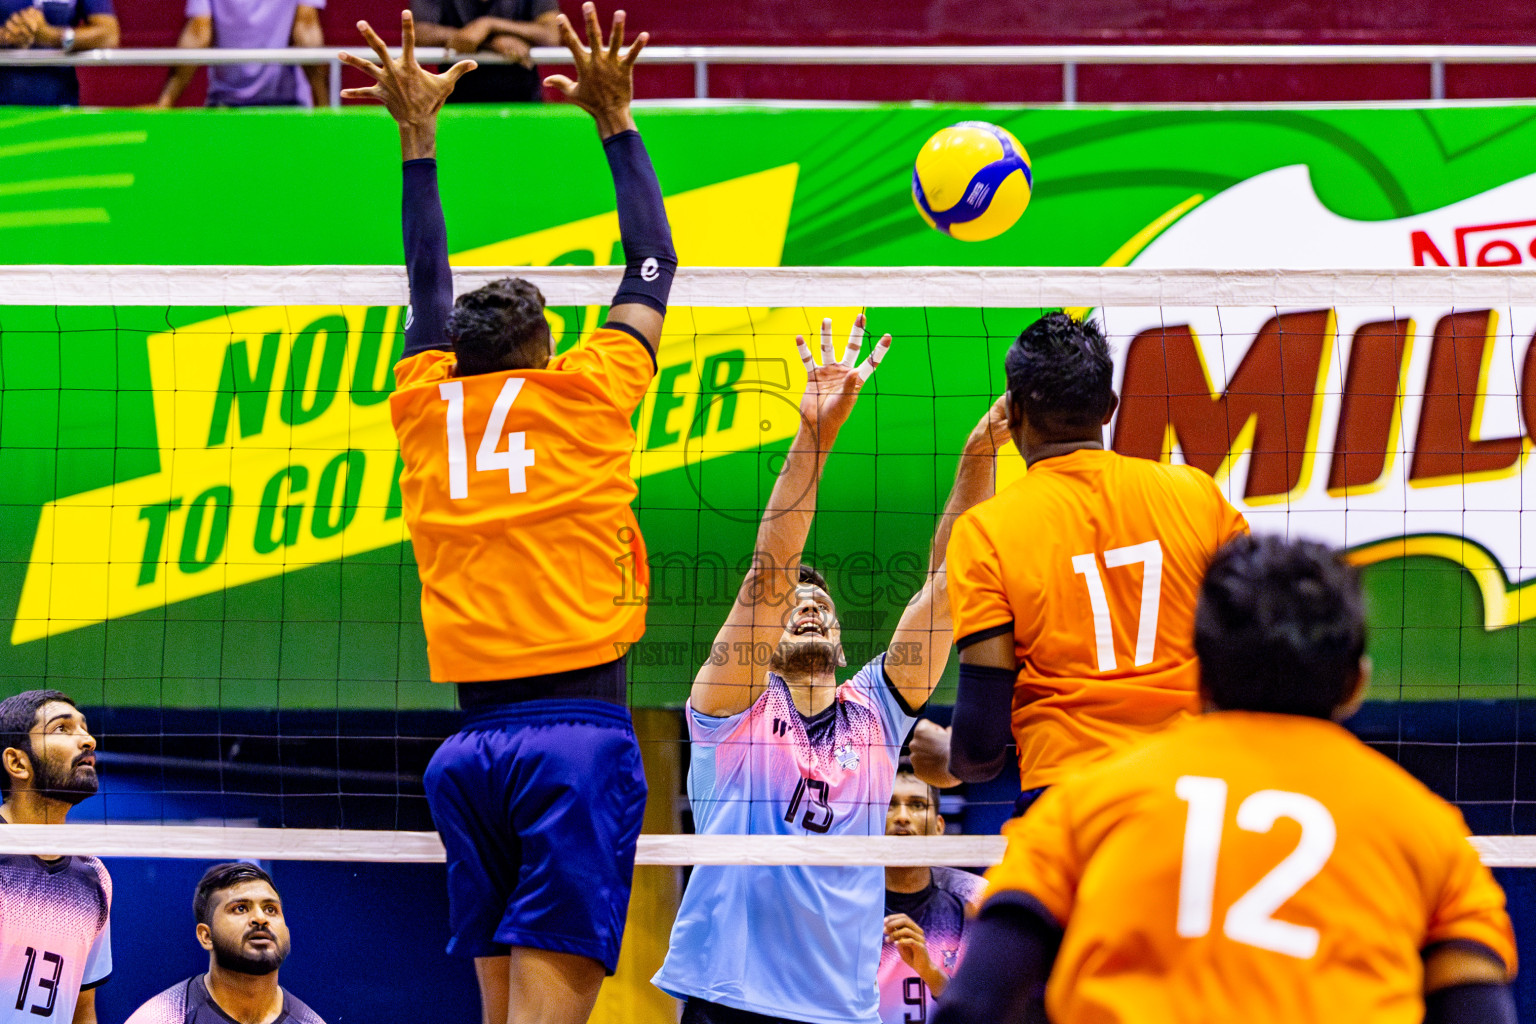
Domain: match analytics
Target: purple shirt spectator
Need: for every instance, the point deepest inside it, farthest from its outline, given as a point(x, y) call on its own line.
point(254, 25)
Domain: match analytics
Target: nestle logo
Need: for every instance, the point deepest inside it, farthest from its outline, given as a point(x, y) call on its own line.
point(1509, 244)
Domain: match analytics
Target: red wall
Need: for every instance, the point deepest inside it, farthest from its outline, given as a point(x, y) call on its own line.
point(813, 22)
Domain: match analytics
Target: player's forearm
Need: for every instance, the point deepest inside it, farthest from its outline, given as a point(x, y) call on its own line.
point(175, 84)
point(650, 259)
point(975, 482)
point(532, 32)
point(426, 254)
point(430, 33)
point(981, 726)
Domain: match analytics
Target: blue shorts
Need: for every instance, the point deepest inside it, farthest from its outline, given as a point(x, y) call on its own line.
point(539, 805)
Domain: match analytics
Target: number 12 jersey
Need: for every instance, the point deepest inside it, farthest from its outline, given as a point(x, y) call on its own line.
point(516, 491)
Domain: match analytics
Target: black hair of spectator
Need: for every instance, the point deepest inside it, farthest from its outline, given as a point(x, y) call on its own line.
point(499, 326)
point(220, 877)
point(1061, 375)
point(904, 769)
point(1280, 627)
point(18, 714)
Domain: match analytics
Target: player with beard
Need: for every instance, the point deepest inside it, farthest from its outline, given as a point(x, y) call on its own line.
point(55, 939)
point(240, 923)
point(924, 910)
point(790, 751)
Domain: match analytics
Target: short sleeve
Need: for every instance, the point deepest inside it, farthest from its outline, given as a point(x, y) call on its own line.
point(716, 750)
point(423, 367)
point(619, 361)
point(1041, 859)
point(872, 681)
point(98, 962)
point(977, 600)
point(199, 8)
point(318, 5)
point(1470, 904)
point(1230, 523)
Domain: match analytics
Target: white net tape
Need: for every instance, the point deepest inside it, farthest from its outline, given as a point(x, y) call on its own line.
point(201, 842)
point(998, 287)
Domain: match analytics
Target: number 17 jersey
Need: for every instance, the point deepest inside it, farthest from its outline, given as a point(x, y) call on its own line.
point(516, 491)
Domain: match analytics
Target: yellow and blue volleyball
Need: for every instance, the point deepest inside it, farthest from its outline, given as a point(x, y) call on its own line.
point(972, 181)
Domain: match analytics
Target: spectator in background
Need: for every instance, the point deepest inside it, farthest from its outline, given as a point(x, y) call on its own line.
point(256, 25)
point(508, 27)
point(924, 910)
point(51, 24)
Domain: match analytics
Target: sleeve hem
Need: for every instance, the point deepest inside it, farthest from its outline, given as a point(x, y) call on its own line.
point(961, 643)
point(901, 700)
point(615, 325)
point(87, 985)
point(1469, 945)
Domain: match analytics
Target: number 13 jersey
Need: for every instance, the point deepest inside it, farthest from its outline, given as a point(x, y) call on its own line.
point(1251, 867)
point(516, 490)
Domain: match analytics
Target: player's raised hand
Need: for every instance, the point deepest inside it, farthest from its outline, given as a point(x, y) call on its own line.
point(833, 387)
point(605, 79)
point(991, 432)
point(412, 94)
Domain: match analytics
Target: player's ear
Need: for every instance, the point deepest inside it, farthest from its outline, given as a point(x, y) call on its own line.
point(16, 763)
point(1114, 403)
point(1357, 696)
point(204, 936)
point(938, 820)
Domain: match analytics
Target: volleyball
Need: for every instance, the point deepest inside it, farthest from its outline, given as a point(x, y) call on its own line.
point(972, 181)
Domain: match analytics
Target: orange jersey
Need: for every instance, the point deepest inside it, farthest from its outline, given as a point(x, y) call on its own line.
point(1093, 561)
point(516, 491)
point(1249, 867)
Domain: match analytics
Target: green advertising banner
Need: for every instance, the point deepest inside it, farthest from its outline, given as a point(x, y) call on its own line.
point(201, 505)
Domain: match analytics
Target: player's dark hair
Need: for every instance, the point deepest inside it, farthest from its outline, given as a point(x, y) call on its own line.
point(500, 326)
point(1061, 376)
point(220, 877)
point(18, 715)
point(811, 576)
point(1280, 626)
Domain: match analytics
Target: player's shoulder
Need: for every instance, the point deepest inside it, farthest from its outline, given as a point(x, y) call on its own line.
point(168, 1007)
point(298, 1011)
point(427, 367)
point(963, 885)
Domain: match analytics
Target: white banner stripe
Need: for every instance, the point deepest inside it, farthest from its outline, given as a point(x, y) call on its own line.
point(203, 842)
point(904, 287)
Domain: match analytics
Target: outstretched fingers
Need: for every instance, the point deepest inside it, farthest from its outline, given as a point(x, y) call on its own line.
point(594, 27)
point(407, 38)
point(570, 39)
point(805, 354)
point(459, 70)
point(827, 358)
point(634, 51)
point(564, 84)
point(616, 35)
point(873, 362)
point(372, 39)
point(855, 342)
point(373, 92)
point(367, 67)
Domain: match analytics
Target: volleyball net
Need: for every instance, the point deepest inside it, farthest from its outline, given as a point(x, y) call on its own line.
point(203, 542)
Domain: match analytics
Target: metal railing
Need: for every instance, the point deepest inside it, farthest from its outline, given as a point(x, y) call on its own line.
point(1068, 58)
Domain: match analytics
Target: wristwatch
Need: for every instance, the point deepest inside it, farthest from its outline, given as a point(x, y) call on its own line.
point(68, 42)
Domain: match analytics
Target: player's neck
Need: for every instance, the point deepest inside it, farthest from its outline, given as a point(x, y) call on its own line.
point(812, 693)
point(1053, 449)
point(248, 998)
point(908, 879)
point(25, 807)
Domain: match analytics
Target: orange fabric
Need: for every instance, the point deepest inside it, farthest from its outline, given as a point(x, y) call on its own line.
point(1010, 559)
point(1107, 853)
point(548, 579)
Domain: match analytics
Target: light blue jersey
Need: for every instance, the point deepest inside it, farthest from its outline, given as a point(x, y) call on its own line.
point(797, 942)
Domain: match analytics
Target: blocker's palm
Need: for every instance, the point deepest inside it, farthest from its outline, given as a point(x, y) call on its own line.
point(832, 388)
point(605, 76)
point(412, 94)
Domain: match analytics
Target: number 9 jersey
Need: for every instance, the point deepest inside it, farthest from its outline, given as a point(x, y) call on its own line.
point(1242, 866)
point(516, 490)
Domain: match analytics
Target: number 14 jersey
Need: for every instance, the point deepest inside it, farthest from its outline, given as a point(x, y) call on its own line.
point(516, 491)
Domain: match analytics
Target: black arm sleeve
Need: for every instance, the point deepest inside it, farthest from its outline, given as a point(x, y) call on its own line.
point(1484, 1003)
point(1009, 951)
point(978, 745)
point(649, 258)
point(426, 258)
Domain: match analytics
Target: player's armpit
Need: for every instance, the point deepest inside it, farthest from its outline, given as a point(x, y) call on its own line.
point(1010, 950)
